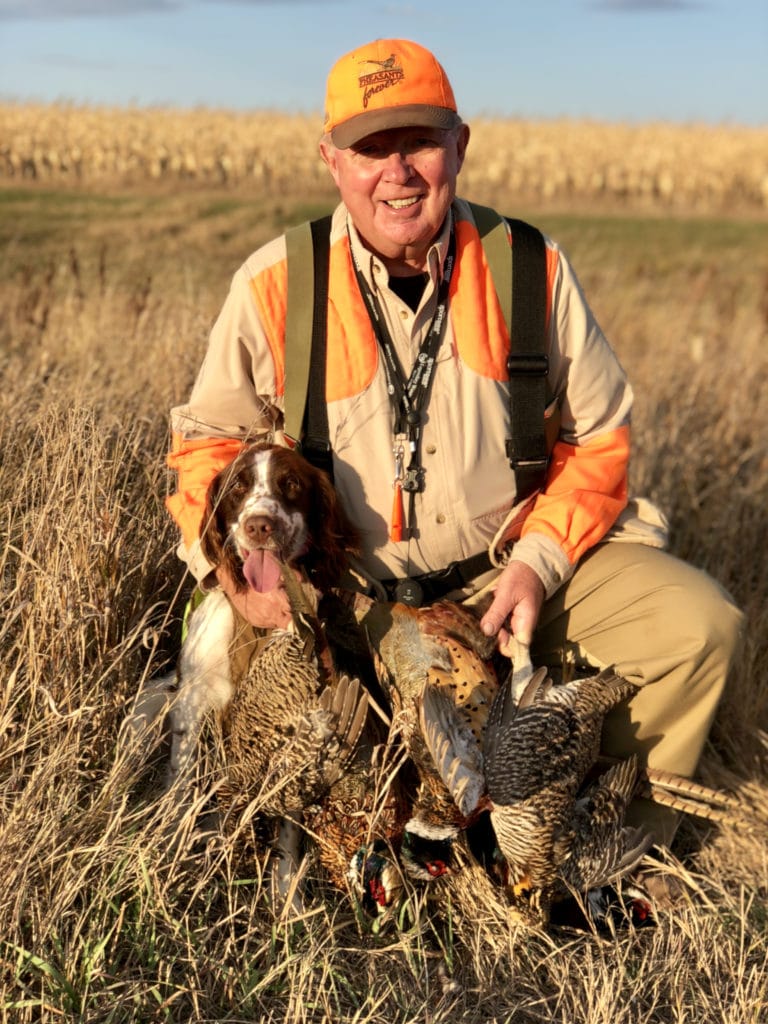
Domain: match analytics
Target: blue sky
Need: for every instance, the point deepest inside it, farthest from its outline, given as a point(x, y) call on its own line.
point(610, 60)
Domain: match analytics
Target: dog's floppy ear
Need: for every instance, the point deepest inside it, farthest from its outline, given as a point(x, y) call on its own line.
point(211, 541)
point(333, 536)
point(213, 534)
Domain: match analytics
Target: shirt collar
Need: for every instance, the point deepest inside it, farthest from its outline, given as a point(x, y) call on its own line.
point(376, 273)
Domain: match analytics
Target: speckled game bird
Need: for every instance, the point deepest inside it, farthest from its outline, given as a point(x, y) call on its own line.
point(293, 723)
point(443, 646)
point(291, 728)
point(553, 835)
point(301, 738)
point(358, 826)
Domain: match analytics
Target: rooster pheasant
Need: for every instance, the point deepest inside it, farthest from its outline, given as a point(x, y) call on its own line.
point(441, 646)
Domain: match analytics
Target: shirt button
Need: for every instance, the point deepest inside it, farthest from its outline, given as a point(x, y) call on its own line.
point(431, 449)
point(439, 518)
point(404, 314)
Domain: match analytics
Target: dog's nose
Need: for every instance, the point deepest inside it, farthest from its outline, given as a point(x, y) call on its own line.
point(258, 528)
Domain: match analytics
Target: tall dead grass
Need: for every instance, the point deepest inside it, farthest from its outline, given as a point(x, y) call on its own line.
point(102, 918)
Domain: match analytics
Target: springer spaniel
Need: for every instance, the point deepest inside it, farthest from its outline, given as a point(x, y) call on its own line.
point(270, 499)
point(268, 509)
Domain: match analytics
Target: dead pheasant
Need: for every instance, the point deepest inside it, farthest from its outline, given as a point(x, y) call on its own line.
point(293, 723)
point(556, 832)
point(302, 742)
point(443, 646)
point(529, 774)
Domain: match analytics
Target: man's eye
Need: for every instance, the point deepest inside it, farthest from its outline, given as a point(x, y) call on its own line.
point(369, 152)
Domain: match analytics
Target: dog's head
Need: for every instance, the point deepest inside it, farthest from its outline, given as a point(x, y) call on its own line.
point(271, 507)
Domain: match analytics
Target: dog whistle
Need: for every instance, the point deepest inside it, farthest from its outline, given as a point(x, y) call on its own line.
point(396, 526)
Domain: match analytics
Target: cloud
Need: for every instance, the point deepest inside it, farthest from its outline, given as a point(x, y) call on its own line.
point(49, 9)
point(44, 9)
point(632, 6)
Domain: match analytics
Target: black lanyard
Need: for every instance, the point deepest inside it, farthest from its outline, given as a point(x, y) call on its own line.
point(409, 397)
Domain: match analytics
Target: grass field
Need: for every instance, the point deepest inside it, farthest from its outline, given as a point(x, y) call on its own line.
point(106, 299)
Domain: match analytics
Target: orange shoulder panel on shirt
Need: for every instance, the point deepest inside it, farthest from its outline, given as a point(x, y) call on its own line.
point(270, 290)
point(478, 325)
point(481, 335)
point(553, 261)
point(352, 364)
point(353, 354)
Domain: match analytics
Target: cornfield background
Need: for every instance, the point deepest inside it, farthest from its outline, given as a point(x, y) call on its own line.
point(687, 167)
point(111, 277)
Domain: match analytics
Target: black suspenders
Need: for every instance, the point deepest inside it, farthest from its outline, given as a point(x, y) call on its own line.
point(519, 274)
point(527, 362)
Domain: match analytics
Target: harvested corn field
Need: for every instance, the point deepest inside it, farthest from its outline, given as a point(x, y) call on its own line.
point(678, 167)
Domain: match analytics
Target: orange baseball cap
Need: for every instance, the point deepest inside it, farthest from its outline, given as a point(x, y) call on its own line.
point(389, 83)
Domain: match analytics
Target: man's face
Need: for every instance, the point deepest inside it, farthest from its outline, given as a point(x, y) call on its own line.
point(398, 185)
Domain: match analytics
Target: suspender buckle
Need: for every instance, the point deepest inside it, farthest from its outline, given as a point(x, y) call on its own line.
point(527, 364)
point(518, 463)
point(318, 453)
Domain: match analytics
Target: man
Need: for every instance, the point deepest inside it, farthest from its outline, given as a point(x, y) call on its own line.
point(409, 286)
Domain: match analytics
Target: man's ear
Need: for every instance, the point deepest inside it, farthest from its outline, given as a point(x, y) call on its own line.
point(462, 141)
point(328, 153)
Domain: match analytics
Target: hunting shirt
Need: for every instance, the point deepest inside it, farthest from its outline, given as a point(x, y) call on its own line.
point(469, 491)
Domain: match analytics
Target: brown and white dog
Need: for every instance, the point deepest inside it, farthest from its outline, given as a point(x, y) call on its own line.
point(268, 509)
point(271, 500)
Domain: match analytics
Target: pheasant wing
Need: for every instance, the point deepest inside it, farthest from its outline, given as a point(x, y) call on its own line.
point(603, 847)
point(453, 748)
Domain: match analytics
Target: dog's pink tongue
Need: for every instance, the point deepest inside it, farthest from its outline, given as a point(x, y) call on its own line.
point(262, 571)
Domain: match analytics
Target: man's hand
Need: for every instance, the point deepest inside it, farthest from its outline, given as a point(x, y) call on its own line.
point(270, 610)
point(519, 595)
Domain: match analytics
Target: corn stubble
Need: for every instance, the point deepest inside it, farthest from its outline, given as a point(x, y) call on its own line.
point(112, 907)
point(706, 167)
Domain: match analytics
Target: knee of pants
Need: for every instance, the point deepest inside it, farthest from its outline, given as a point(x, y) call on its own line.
point(691, 638)
point(637, 604)
point(709, 625)
point(692, 623)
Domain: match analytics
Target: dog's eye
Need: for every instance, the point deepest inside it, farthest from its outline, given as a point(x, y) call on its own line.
point(237, 488)
point(290, 485)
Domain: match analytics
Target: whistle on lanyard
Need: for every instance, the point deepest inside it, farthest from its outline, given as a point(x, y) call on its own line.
point(396, 523)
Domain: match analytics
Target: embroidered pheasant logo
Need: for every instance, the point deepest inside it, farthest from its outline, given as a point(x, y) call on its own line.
point(385, 65)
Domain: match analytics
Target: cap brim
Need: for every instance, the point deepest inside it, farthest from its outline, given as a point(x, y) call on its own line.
point(356, 128)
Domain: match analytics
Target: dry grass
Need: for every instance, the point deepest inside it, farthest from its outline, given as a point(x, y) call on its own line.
point(105, 305)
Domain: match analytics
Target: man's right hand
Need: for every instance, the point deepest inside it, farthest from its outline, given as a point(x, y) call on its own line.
point(517, 601)
point(270, 610)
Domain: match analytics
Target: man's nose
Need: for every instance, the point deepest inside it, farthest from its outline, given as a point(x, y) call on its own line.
point(398, 166)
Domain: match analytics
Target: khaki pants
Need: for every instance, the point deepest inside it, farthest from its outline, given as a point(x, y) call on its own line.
point(664, 625)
